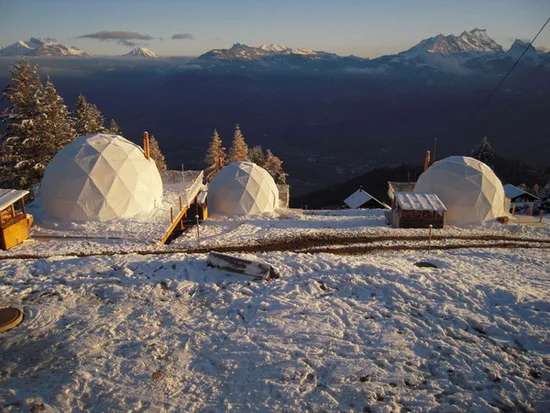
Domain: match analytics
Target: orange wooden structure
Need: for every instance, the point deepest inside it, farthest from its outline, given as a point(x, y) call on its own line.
point(14, 223)
point(193, 204)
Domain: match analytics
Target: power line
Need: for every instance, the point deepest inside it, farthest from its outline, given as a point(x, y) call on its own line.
point(509, 71)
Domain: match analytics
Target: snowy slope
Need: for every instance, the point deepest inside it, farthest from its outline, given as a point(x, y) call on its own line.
point(141, 327)
point(335, 333)
point(40, 47)
point(141, 52)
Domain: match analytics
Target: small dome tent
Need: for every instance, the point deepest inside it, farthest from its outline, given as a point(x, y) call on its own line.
point(242, 188)
point(100, 177)
point(469, 189)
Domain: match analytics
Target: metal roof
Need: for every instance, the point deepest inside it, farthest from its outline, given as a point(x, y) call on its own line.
point(361, 197)
point(419, 201)
point(512, 192)
point(10, 196)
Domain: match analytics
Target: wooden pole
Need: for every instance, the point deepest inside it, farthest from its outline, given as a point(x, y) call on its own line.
point(430, 238)
point(171, 214)
point(532, 209)
point(541, 214)
point(514, 210)
point(146, 145)
point(181, 203)
point(427, 160)
point(198, 230)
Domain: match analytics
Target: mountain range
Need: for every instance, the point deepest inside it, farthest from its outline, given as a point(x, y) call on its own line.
point(472, 52)
point(40, 47)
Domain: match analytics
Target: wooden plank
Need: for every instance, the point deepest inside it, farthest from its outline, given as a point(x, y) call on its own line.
point(255, 269)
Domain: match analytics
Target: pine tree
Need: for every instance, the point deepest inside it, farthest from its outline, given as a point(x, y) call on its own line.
point(215, 155)
point(57, 130)
point(24, 93)
point(257, 156)
point(274, 166)
point(156, 154)
point(38, 126)
point(88, 117)
point(239, 148)
point(484, 153)
point(114, 129)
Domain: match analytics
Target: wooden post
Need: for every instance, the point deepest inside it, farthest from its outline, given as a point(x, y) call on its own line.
point(541, 214)
point(514, 209)
point(198, 230)
point(146, 148)
point(173, 177)
point(181, 203)
point(430, 238)
point(427, 160)
point(532, 209)
point(171, 214)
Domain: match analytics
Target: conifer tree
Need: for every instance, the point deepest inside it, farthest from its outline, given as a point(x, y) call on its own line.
point(274, 166)
point(56, 129)
point(88, 117)
point(484, 153)
point(239, 148)
point(156, 154)
point(215, 155)
point(38, 125)
point(114, 129)
point(257, 156)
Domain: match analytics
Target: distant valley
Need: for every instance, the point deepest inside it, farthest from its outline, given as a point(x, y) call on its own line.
point(327, 117)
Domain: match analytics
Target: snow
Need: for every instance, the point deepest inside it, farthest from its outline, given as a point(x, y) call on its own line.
point(40, 47)
point(10, 196)
point(141, 52)
point(419, 201)
point(143, 327)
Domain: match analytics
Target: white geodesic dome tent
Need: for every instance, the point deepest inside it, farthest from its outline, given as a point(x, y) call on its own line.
point(242, 188)
point(100, 177)
point(469, 189)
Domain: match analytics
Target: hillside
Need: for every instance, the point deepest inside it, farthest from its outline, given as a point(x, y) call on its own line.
point(375, 182)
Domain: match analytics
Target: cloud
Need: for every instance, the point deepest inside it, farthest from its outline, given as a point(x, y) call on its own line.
point(182, 36)
point(124, 38)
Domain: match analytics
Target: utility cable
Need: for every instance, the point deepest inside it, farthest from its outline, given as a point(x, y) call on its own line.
point(508, 73)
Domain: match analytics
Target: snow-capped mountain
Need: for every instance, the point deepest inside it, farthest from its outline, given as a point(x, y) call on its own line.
point(518, 47)
point(475, 41)
point(242, 52)
point(40, 47)
point(141, 52)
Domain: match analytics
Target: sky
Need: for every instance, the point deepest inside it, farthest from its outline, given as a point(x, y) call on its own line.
point(366, 28)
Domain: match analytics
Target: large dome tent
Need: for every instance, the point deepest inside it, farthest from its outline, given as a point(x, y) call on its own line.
point(100, 177)
point(242, 188)
point(470, 190)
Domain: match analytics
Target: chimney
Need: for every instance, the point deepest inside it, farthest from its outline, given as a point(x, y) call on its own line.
point(427, 160)
point(146, 148)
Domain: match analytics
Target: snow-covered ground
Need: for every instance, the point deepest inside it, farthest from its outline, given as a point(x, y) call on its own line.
point(365, 332)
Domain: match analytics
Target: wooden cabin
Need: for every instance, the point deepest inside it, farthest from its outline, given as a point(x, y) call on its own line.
point(417, 210)
point(14, 222)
